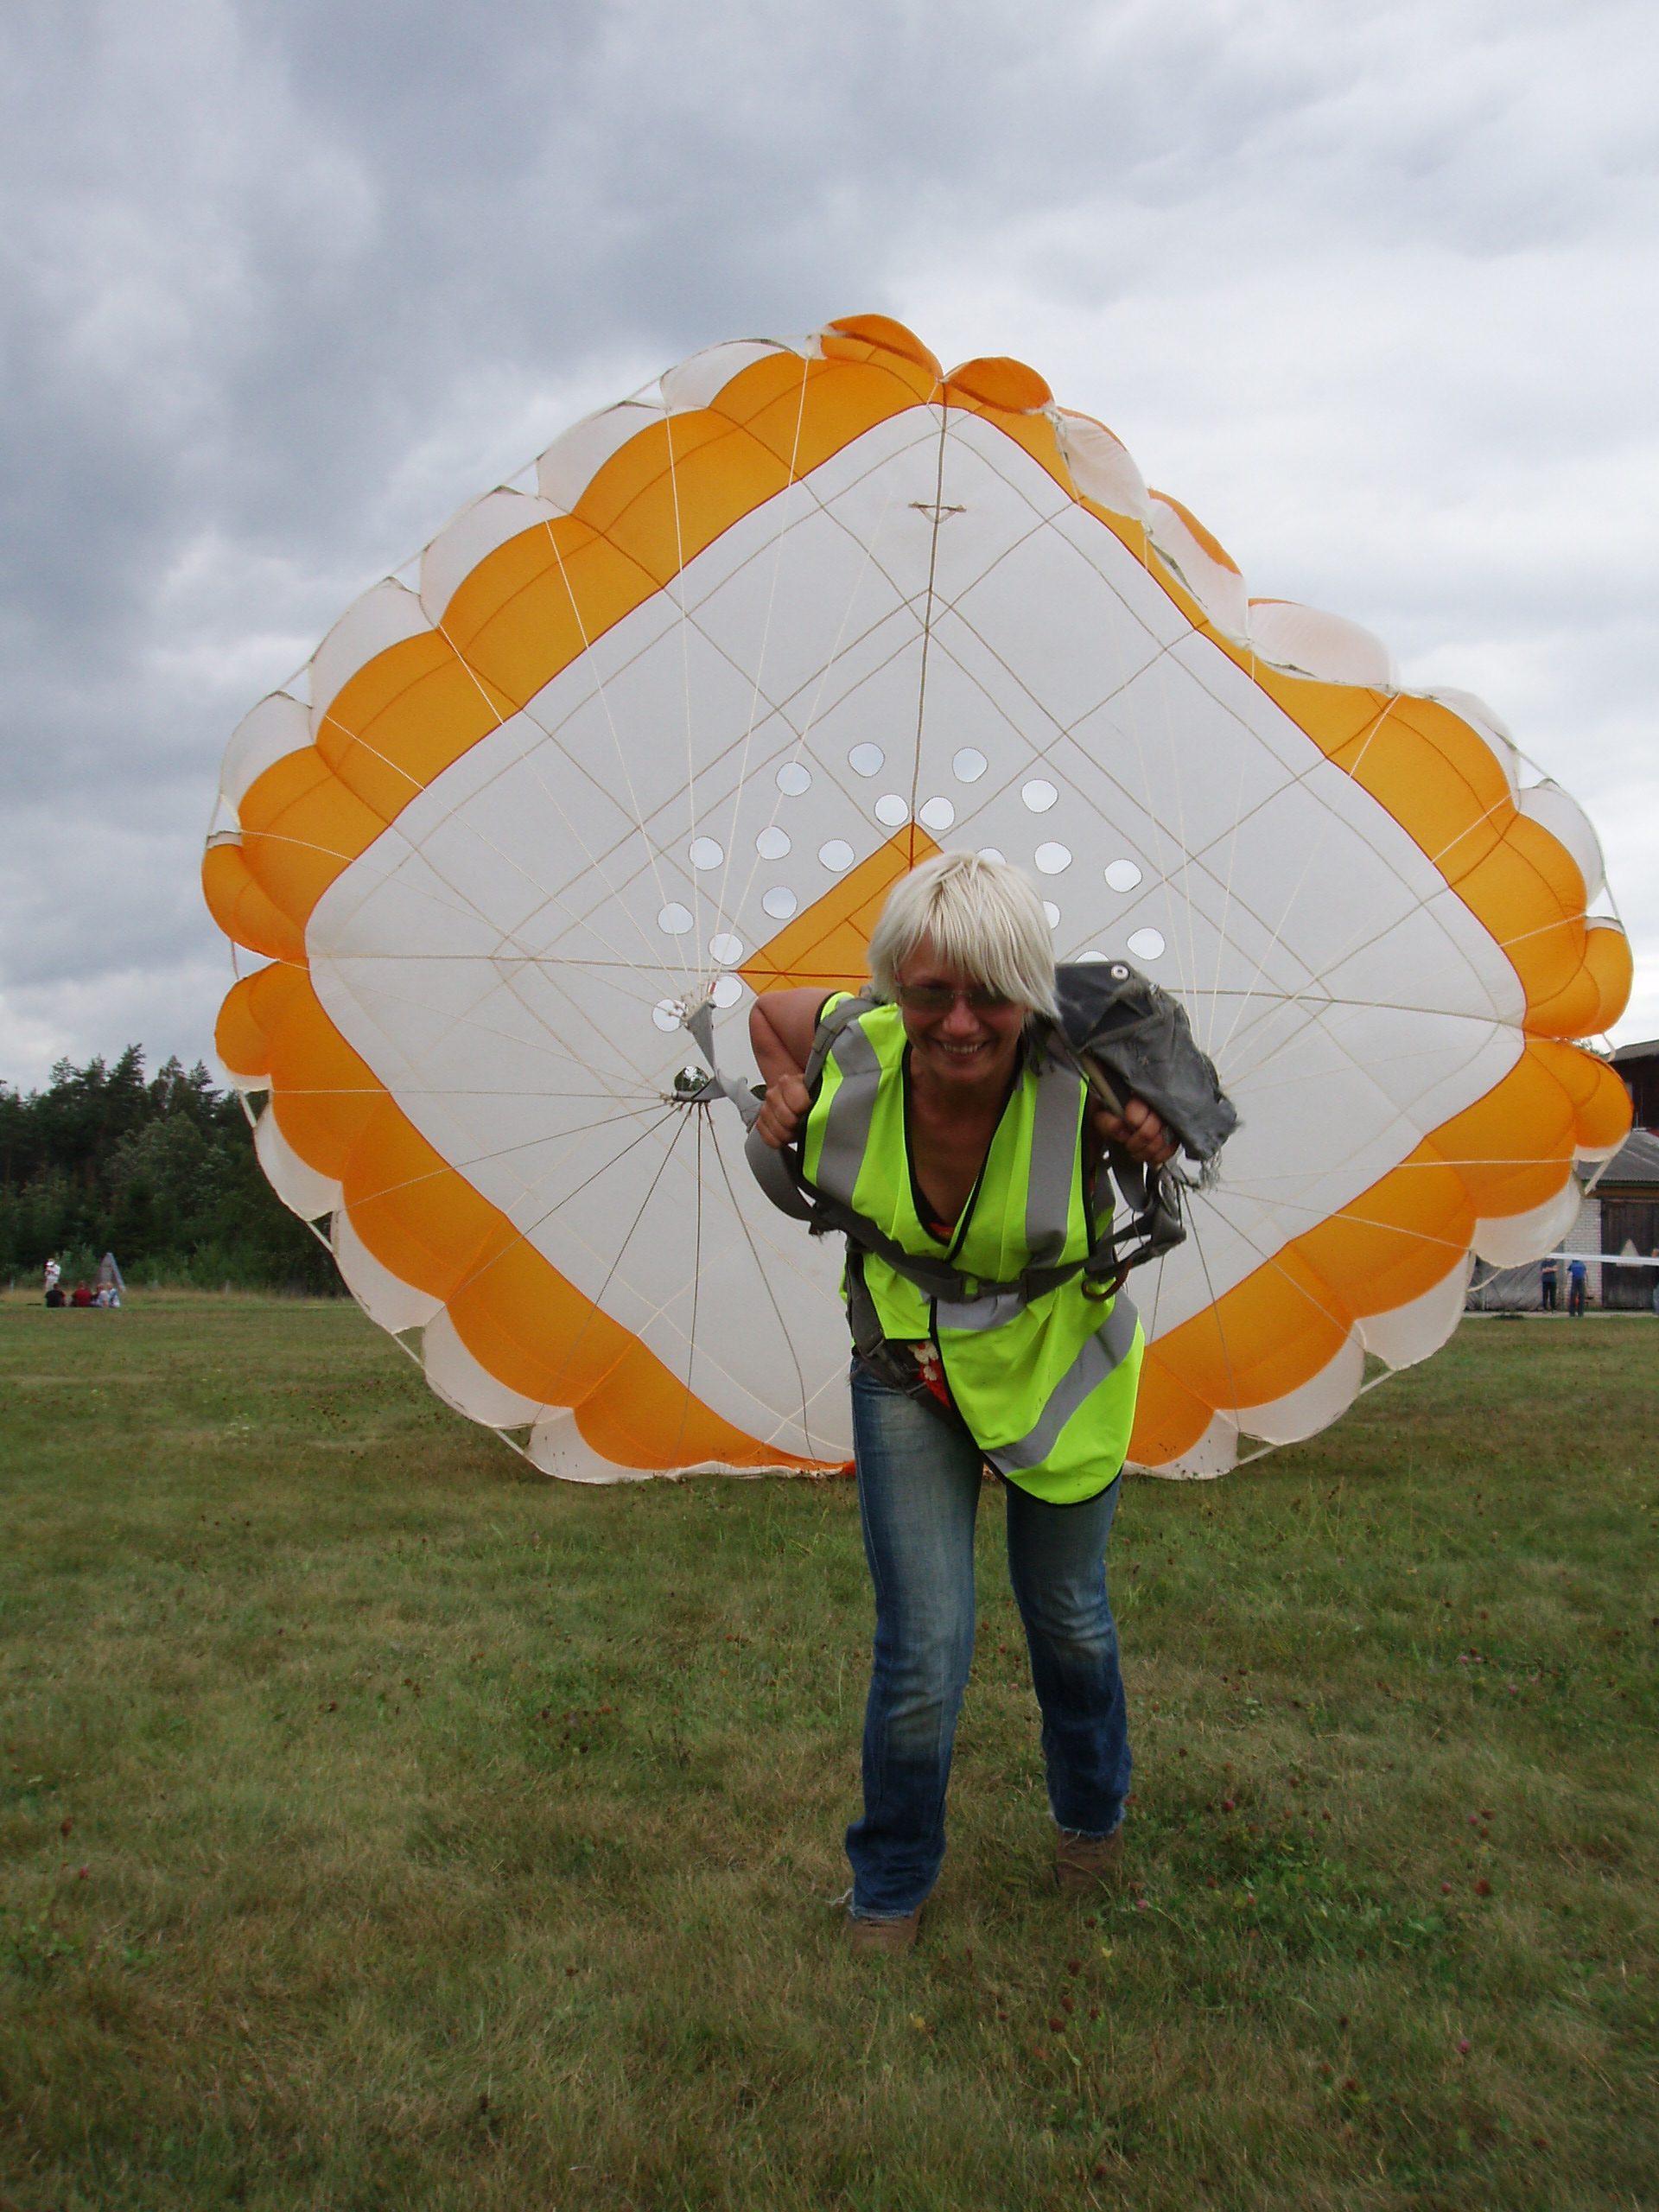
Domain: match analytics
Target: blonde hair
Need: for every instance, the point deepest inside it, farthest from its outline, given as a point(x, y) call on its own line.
point(982, 917)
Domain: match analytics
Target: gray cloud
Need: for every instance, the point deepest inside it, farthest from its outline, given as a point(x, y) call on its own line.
point(282, 283)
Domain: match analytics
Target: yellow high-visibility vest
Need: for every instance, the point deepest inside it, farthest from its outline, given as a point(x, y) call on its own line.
point(1045, 1383)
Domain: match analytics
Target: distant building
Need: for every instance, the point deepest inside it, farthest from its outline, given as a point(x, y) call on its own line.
point(1628, 1191)
point(1618, 1218)
point(1639, 1065)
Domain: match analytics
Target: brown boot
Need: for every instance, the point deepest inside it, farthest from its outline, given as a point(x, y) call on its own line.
point(884, 1939)
point(1082, 1863)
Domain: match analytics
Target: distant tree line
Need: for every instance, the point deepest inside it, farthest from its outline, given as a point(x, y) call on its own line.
point(161, 1171)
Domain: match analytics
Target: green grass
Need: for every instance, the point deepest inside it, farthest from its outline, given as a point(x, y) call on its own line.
point(381, 1825)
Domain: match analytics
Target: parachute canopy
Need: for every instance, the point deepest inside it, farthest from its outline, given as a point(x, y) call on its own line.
point(664, 729)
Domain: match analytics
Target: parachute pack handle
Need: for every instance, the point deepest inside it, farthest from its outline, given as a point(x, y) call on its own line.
point(701, 1027)
point(1127, 1037)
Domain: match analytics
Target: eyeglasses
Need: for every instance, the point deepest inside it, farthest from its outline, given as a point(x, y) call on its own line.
point(939, 998)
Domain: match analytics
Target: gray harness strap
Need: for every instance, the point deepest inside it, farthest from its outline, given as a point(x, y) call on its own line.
point(774, 1171)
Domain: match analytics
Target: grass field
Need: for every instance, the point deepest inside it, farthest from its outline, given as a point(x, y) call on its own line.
point(381, 1825)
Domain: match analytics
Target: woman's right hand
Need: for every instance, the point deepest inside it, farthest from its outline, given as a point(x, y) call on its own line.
point(782, 1110)
point(782, 1025)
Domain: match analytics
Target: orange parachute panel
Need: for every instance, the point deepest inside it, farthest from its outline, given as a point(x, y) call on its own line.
point(404, 719)
point(245, 910)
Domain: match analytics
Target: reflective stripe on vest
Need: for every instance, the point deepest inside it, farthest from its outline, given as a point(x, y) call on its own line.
point(1101, 1356)
point(1046, 1384)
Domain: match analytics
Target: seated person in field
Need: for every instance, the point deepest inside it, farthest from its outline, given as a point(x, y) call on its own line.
point(81, 1295)
point(55, 1296)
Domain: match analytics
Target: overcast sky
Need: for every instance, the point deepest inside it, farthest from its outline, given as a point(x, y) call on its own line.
point(1370, 287)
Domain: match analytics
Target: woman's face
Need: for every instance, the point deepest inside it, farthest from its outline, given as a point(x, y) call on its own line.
point(960, 1033)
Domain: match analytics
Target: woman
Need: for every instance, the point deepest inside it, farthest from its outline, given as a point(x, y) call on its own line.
point(937, 1115)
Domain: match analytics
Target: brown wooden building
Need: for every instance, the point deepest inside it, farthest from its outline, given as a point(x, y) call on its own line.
point(1639, 1065)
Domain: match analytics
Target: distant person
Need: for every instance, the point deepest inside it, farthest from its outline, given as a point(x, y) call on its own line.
point(53, 1271)
point(1577, 1276)
point(55, 1297)
point(81, 1295)
point(1547, 1285)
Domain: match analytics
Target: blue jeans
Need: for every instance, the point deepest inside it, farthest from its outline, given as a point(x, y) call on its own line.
point(919, 1486)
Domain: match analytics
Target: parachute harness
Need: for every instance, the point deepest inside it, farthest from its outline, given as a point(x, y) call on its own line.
point(1123, 1036)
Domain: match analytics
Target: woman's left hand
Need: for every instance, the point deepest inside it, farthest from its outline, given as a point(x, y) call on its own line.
point(1137, 1129)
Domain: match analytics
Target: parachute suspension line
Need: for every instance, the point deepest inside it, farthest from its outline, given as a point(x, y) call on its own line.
point(1252, 1059)
point(1186, 981)
point(595, 1304)
point(1316, 1214)
point(1226, 902)
point(685, 675)
point(432, 1175)
point(927, 621)
point(525, 1144)
point(1272, 1261)
point(468, 914)
point(616, 1159)
point(617, 745)
point(867, 553)
point(593, 1307)
point(696, 1289)
point(766, 1282)
point(1187, 969)
point(1328, 814)
point(1157, 1295)
point(478, 683)
point(1152, 810)
point(465, 913)
point(1355, 944)
point(765, 639)
point(1215, 1311)
point(1190, 981)
point(1126, 689)
point(1251, 993)
point(553, 1046)
point(526, 759)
